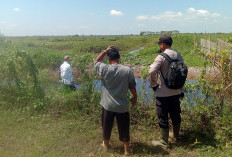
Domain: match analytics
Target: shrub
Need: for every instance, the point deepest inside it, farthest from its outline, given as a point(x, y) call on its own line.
point(19, 83)
point(209, 114)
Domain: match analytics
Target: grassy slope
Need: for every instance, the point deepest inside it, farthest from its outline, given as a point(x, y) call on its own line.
point(49, 135)
point(183, 43)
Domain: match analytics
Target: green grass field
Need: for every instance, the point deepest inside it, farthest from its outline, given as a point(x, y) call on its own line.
point(22, 134)
point(48, 51)
point(59, 135)
point(38, 118)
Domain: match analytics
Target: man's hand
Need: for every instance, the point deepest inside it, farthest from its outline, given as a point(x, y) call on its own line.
point(181, 96)
point(133, 101)
point(154, 88)
point(134, 98)
point(101, 55)
point(110, 47)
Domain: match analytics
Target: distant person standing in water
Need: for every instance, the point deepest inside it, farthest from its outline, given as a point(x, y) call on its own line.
point(66, 73)
point(116, 80)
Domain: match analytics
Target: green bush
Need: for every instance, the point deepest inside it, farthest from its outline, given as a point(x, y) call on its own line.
point(19, 83)
point(210, 114)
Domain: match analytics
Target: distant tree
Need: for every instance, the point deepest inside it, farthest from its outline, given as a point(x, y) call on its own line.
point(2, 38)
point(158, 33)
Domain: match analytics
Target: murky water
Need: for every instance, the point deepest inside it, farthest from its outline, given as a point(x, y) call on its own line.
point(141, 48)
point(146, 94)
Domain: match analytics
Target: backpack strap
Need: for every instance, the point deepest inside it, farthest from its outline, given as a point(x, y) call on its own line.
point(167, 57)
point(169, 60)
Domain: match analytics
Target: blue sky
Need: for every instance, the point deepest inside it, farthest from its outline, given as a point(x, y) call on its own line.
point(113, 17)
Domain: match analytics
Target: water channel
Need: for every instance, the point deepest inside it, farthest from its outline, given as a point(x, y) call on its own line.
point(146, 94)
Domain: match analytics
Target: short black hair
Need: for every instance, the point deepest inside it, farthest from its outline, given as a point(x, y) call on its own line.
point(113, 53)
point(166, 39)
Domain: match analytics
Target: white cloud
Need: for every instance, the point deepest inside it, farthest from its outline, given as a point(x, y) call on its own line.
point(189, 20)
point(141, 17)
point(198, 12)
point(17, 9)
point(203, 12)
point(190, 10)
point(193, 13)
point(155, 17)
point(116, 13)
point(190, 14)
point(165, 15)
point(215, 15)
point(3, 22)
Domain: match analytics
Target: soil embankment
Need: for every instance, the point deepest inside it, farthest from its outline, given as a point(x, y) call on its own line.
point(193, 72)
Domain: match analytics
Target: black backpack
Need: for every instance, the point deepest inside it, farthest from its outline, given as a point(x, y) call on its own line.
point(177, 73)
